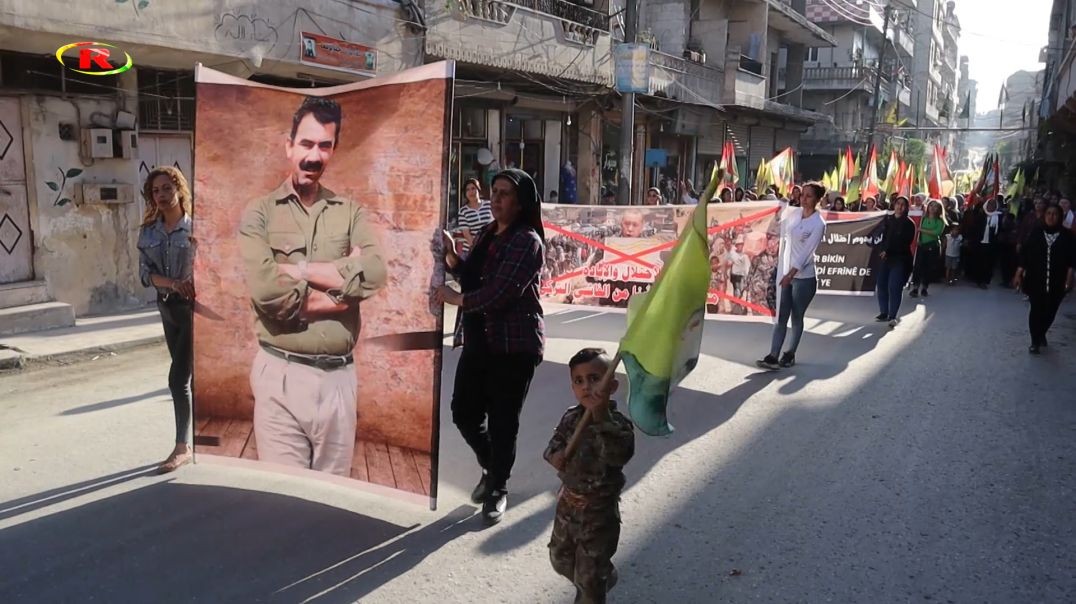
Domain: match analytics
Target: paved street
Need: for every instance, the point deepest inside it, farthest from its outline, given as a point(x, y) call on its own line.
point(936, 462)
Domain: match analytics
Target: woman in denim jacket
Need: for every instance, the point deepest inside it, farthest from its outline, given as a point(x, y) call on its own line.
point(166, 258)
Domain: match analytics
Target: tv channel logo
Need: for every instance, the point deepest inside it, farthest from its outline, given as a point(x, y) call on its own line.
point(96, 58)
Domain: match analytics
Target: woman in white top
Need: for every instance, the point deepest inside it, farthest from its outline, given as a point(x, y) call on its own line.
point(475, 215)
point(801, 231)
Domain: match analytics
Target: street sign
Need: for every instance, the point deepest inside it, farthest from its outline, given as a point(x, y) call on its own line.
point(632, 63)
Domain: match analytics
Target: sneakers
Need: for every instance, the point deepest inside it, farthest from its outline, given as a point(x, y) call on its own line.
point(788, 359)
point(1034, 349)
point(481, 491)
point(925, 292)
point(893, 323)
point(768, 362)
point(881, 318)
point(495, 505)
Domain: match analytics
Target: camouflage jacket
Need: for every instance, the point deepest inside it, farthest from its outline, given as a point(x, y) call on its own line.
point(596, 468)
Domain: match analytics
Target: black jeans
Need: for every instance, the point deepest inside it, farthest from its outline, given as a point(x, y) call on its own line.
point(985, 262)
point(177, 317)
point(1043, 310)
point(926, 262)
point(486, 402)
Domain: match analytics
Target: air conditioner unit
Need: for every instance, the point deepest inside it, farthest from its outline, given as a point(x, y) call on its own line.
point(114, 193)
point(126, 143)
point(97, 143)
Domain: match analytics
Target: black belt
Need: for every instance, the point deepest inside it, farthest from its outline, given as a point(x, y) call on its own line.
point(320, 361)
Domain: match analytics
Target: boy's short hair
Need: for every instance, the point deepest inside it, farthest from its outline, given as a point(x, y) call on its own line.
point(587, 355)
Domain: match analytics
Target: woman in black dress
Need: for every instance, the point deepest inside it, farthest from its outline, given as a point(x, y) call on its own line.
point(502, 331)
point(1047, 259)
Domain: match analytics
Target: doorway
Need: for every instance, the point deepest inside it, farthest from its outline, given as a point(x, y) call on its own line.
point(16, 240)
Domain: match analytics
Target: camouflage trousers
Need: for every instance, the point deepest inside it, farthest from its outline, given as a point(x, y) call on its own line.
point(584, 540)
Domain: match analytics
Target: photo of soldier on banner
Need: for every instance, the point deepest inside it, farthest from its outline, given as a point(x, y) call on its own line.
point(744, 250)
point(600, 256)
point(317, 350)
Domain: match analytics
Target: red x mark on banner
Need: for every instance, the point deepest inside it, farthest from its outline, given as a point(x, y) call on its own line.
point(637, 257)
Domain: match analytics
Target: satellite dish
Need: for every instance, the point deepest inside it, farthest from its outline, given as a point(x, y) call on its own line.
point(485, 156)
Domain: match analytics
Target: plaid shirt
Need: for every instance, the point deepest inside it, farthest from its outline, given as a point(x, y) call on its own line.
point(508, 296)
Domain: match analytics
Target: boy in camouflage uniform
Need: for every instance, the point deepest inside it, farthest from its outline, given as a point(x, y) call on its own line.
point(587, 524)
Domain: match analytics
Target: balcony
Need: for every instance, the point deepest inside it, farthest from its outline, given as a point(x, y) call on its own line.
point(574, 40)
point(840, 78)
point(903, 40)
point(795, 27)
point(687, 81)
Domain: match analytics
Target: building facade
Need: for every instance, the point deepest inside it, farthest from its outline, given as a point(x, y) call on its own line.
point(1056, 150)
point(840, 81)
point(936, 72)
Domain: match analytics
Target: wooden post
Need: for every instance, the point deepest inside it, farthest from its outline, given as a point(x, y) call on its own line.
point(587, 418)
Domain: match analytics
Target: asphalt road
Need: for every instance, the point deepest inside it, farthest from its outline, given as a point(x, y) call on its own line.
point(935, 462)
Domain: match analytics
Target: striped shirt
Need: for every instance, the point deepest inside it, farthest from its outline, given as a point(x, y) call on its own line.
point(474, 220)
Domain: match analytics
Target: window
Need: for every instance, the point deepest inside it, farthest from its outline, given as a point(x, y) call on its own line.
point(42, 72)
point(812, 54)
point(165, 100)
point(470, 123)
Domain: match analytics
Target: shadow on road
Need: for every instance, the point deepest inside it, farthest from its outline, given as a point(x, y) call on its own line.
point(118, 402)
point(30, 503)
point(180, 542)
point(694, 414)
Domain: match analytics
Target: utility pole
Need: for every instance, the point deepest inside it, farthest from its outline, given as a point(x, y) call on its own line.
point(878, 75)
point(627, 113)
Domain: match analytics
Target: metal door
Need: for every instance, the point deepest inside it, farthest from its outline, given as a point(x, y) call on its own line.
point(16, 241)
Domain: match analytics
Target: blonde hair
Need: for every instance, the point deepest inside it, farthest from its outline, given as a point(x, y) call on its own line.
point(183, 190)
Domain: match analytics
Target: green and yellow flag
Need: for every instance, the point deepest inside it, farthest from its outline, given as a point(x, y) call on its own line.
point(664, 334)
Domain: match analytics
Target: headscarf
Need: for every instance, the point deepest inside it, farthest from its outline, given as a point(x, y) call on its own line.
point(527, 195)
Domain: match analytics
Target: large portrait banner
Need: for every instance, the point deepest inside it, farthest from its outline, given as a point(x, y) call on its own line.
point(317, 351)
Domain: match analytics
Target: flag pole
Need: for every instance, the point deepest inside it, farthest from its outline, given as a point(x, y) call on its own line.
point(588, 417)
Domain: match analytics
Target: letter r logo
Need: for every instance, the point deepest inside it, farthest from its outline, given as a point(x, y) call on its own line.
point(97, 56)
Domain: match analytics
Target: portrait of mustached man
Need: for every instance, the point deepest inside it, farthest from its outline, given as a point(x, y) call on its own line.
point(310, 258)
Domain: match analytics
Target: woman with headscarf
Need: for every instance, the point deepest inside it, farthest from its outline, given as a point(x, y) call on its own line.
point(502, 331)
point(928, 252)
point(983, 237)
point(653, 197)
point(895, 261)
point(1047, 259)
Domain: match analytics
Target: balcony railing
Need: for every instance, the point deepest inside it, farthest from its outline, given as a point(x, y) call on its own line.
point(841, 77)
point(581, 25)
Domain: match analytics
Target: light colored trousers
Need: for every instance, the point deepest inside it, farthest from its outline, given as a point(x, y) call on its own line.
point(304, 416)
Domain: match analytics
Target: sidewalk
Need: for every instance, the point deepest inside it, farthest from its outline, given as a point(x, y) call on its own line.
point(102, 334)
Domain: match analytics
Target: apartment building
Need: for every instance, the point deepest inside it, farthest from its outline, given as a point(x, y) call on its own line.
point(840, 81)
point(1056, 151)
point(936, 69)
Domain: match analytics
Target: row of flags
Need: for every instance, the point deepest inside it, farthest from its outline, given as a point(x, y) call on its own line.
point(851, 179)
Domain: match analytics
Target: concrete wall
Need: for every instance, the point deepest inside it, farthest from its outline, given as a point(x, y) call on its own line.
point(667, 20)
point(215, 32)
point(508, 37)
point(86, 253)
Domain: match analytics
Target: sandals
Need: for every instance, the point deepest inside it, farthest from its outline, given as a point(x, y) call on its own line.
point(175, 461)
